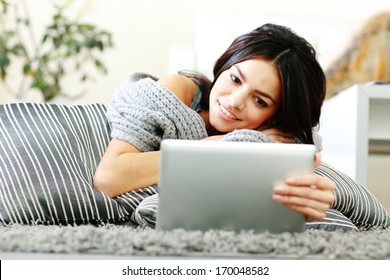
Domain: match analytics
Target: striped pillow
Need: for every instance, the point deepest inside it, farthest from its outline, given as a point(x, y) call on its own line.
point(48, 155)
point(354, 201)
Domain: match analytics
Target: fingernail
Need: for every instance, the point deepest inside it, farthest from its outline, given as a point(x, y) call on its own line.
point(291, 180)
point(279, 189)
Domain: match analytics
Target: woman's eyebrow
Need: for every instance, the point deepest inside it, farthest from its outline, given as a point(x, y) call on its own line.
point(262, 93)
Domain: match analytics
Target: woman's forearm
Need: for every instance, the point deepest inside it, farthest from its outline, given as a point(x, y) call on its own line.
point(123, 168)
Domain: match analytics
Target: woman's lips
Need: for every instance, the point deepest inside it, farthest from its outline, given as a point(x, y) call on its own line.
point(225, 114)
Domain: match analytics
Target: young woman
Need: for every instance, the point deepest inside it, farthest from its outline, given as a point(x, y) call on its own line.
point(267, 81)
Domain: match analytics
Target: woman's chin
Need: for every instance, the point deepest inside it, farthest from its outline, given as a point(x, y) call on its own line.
point(222, 129)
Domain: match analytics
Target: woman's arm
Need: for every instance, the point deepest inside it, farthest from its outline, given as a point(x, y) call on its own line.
point(123, 167)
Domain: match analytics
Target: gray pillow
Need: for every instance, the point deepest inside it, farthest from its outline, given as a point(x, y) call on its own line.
point(48, 155)
point(354, 201)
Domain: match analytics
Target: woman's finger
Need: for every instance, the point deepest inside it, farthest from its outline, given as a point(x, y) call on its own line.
point(312, 195)
point(279, 136)
point(311, 179)
point(321, 205)
point(306, 192)
point(312, 209)
point(311, 214)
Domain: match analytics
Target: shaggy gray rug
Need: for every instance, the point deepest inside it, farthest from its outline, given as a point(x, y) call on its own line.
point(124, 241)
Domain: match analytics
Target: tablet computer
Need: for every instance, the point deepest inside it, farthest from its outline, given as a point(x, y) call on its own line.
point(228, 185)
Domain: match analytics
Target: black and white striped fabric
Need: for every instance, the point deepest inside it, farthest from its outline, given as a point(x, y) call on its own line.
point(353, 201)
point(48, 155)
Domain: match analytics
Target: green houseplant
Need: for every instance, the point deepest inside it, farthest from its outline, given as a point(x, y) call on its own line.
point(66, 48)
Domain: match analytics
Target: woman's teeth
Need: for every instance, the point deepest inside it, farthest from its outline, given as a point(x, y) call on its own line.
point(227, 113)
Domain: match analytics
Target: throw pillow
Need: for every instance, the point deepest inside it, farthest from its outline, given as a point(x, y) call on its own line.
point(48, 156)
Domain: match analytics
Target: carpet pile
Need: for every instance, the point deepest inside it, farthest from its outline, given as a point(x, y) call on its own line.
point(125, 241)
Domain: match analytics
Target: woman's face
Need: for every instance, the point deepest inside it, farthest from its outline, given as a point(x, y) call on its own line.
point(245, 96)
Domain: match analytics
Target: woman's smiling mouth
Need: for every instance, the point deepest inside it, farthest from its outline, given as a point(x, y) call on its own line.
point(227, 115)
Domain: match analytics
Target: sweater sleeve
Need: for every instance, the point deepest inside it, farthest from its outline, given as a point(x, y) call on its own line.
point(247, 135)
point(145, 112)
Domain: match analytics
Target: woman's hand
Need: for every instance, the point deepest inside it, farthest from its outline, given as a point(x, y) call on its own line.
point(214, 138)
point(276, 134)
point(309, 194)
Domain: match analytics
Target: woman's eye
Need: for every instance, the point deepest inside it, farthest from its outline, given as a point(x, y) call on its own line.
point(261, 102)
point(235, 79)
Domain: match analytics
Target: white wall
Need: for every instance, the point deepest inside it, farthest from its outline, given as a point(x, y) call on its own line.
point(145, 31)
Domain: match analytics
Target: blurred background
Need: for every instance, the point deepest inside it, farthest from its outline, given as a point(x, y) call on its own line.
point(160, 37)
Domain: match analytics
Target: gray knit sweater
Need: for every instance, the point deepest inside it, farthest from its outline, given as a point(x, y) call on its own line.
point(144, 113)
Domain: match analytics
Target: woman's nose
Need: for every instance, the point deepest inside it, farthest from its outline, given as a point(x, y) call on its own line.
point(236, 100)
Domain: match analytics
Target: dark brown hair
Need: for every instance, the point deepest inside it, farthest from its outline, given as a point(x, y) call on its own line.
point(303, 80)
